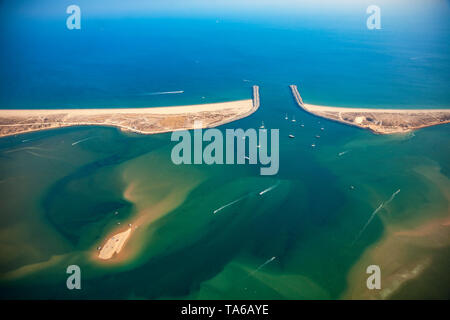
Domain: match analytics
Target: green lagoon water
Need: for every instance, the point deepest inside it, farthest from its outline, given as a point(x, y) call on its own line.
point(58, 199)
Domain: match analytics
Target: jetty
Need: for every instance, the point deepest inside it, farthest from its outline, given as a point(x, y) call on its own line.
point(297, 95)
point(255, 97)
point(380, 121)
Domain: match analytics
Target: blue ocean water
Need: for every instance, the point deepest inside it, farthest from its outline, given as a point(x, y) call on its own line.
point(117, 61)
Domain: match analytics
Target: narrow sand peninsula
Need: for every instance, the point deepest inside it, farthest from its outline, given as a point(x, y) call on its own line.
point(139, 120)
point(114, 245)
point(382, 121)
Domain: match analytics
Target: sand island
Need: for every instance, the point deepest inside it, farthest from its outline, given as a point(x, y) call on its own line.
point(114, 245)
point(139, 120)
point(381, 121)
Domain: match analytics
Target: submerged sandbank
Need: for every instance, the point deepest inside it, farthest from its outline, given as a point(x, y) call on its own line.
point(154, 190)
point(408, 249)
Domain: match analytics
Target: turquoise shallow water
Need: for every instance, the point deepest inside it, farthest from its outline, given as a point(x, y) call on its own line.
point(59, 199)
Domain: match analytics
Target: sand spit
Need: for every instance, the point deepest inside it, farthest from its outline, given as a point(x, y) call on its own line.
point(381, 121)
point(139, 120)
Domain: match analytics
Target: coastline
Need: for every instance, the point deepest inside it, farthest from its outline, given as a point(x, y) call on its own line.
point(380, 121)
point(138, 120)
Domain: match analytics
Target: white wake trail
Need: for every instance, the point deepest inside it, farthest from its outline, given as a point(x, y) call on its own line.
point(162, 92)
point(24, 149)
point(270, 188)
point(41, 155)
point(392, 197)
point(261, 266)
point(367, 223)
point(79, 141)
point(227, 205)
point(383, 204)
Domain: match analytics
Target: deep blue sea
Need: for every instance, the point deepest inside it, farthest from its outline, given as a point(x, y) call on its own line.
point(116, 61)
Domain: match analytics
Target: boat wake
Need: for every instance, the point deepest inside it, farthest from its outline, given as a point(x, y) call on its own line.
point(41, 155)
point(243, 197)
point(270, 188)
point(162, 92)
point(25, 149)
point(228, 204)
point(262, 266)
point(392, 197)
point(381, 206)
point(82, 140)
point(367, 223)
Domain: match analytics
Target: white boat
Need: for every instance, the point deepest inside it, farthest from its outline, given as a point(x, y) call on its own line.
point(262, 125)
point(291, 136)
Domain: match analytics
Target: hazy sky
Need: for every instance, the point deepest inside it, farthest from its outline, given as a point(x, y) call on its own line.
point(211, 7)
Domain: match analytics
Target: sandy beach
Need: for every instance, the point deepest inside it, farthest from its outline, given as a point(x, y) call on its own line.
point(381, 121)
point(139, 120)
point(317, 108)
point(104, 111)
point(114, 245)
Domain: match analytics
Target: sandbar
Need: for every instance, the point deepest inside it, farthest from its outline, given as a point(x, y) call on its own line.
point(114, 245)
point(381, 121)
